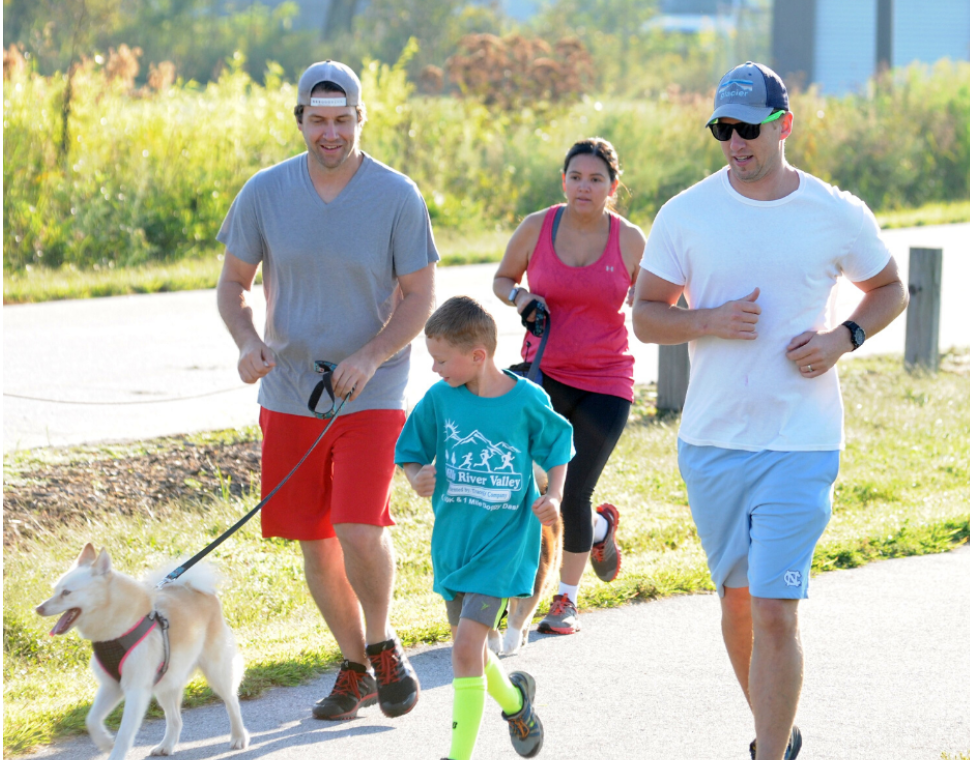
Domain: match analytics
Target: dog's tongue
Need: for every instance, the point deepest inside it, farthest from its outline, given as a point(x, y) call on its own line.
point(64, 623)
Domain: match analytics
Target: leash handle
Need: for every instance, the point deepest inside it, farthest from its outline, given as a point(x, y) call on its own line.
point(332, 413)
point(326, 369)
point(539, 327)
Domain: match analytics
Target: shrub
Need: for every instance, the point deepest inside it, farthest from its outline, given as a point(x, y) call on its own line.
point(149, 173)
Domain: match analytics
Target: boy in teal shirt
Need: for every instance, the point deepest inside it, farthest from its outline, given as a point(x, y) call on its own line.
point(469, 444)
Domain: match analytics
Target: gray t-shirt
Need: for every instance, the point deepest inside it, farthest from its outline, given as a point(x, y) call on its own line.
point(329, 272)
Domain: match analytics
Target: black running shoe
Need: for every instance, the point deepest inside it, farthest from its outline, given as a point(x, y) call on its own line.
point(397, 683)
point(525, 728)
point(354, 688)
point(794, 745)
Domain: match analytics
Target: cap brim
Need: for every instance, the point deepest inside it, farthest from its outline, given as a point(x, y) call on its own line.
point(747, 114)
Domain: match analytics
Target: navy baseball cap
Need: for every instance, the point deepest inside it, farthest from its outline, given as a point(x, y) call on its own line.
point(749, 93)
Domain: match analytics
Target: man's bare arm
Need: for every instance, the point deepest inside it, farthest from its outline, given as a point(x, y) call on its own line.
point(256, 359)
point(408, 319)
point(658, 319)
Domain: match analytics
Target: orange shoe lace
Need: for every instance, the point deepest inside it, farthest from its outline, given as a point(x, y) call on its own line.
point(521, 726)
point(387, 666)
point(348, 682)
point(560, 604)
point(598, 550)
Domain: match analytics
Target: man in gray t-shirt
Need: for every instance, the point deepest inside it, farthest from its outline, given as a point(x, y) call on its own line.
point(348, 259)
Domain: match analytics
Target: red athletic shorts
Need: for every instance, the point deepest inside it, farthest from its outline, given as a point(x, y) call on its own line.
point(347, 478)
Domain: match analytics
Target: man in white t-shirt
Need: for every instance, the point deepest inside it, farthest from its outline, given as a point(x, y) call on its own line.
point(757, 249)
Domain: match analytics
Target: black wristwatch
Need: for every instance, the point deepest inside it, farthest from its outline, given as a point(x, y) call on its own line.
point(516, 289)
point(856, 333)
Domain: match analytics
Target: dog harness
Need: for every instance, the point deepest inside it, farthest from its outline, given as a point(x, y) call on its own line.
point(111, 655)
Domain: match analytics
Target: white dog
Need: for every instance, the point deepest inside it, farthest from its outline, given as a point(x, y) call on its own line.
point(126, 620)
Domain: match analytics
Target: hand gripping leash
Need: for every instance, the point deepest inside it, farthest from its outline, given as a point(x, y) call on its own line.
point(540, 328)
point(324, 368)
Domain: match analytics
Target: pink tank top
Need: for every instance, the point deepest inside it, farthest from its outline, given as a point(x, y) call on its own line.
point(588, 346)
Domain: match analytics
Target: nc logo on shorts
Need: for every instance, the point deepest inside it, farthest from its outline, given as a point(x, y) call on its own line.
point(793, 578)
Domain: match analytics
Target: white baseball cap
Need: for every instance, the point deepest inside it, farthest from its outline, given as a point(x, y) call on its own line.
point(329, 71)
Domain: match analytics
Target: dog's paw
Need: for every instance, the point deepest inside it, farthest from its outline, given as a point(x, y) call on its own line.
point(162, 749)
point(495, 643)
point(239, 742)
point(103, 740)
point(514, 640)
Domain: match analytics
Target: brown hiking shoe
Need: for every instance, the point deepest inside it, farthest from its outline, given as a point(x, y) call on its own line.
point(354, 688)
point(397, 683)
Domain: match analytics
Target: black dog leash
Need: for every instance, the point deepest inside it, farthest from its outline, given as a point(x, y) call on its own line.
point(540, 328)
point(324, 368)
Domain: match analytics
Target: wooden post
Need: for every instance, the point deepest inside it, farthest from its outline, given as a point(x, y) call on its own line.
point(673, 374)
point(923, 315)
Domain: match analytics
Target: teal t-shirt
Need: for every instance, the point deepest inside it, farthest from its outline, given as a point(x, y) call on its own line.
point(486, 539)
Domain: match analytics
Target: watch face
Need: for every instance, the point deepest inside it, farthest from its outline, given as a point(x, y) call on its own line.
point(858, 336)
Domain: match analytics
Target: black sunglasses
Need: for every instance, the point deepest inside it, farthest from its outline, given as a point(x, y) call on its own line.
point(722, 131)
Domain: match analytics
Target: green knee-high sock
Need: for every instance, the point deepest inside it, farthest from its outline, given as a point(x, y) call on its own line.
point(500, 688)
point(466, 716)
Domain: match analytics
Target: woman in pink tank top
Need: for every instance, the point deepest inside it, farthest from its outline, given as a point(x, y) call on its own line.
point(581, 260)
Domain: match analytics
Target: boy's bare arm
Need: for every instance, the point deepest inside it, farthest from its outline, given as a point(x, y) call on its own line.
point(421, 477)
point(546, 507)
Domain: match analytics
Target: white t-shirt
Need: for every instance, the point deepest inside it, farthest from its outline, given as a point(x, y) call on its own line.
point(721, 245)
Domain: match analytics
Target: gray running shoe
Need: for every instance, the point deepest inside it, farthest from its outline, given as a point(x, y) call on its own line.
point(563, 617)
point(794, 745)
point(605, 556)
point(525, 728)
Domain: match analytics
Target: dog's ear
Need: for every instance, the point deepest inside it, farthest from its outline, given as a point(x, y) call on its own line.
point(102, 565)
point(86, 557)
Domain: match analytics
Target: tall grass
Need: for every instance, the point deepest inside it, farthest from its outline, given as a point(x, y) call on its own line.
point(148, 176)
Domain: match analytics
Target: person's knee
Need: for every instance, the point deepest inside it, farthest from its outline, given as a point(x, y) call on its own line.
point(736, 603)
point(319, 556)
point(466, 658)
point(361, 541)
point(577, 522)
point(775, 619)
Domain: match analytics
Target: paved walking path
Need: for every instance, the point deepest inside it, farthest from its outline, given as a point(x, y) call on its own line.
point(133, 352)
point(887, 677)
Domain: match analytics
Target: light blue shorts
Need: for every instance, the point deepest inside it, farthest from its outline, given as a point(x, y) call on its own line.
point(759, 514)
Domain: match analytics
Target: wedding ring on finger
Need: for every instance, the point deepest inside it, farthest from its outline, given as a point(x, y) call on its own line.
point(809, 367)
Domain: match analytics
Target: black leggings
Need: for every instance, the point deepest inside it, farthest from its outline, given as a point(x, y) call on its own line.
point(598, 421)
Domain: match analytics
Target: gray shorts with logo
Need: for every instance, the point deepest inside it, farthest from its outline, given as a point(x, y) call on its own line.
point(483, 609)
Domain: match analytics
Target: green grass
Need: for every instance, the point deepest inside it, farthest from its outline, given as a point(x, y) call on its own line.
point(42, 284)
point(903, 490)
point(932, 213)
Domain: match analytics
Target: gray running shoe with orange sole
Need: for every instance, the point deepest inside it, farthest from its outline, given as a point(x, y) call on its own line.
point(562, 618)
point(605, 556)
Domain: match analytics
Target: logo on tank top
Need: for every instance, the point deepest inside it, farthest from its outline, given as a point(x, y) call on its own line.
point(793, 578)
point(610, 268)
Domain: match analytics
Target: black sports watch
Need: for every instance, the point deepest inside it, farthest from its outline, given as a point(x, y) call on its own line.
point(856, 333)
point(514, 293)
